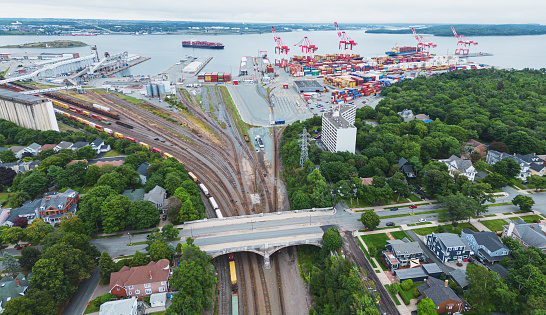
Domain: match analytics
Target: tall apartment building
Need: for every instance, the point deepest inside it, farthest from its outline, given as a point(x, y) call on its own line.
point(338, 130)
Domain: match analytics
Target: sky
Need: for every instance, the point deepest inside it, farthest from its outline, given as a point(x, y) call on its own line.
point(286, 11)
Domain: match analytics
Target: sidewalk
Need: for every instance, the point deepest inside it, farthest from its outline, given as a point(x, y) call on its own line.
point(399, 205)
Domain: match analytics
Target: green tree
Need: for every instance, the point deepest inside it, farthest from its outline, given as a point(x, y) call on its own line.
point(34, 183)
point(59, 176)
point(92, 175)
point(478, 192)
point(89, 209)
point(370, 219)
point(172, 182)
point(29, 257)
point(10, 264)
point(48, 275)
point(16, 200)
point(481, 166)
point(507, 167)
point(86, 153)
point(536, 181)
point(406, 284)
point(331, 239)
point(71, 223)
point(114, 180)
point(524, 202)
point(300, 200)
point(107, 266)
point(458, 207)
point(496, 180)
point(481, 285)
point(426, 307)
point(76, 174)
point(7, 156)
point(12, 235)
point(114, 213)
point(35, 232)
point(398, 184)
point(435, 178)
point(142, 215)
point(32, 303)
point(139, 259)
point(160, 250)
point(168, 231)
point(188, 212)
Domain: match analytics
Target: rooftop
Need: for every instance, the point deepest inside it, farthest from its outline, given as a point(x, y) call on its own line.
point(119, 307)
point(307, 84)
point(488, 239)
point(21, 98)
point(152, 272)
point(338, 121)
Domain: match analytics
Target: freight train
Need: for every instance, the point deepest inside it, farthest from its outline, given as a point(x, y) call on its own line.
point(205, 191)
point(81, 112)
point(234, 287)
point(99, 109)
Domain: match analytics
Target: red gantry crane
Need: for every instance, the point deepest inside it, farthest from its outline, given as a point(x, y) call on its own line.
point(422, 43)
point(345, 42)
point(307, 48)
point(280, 48)
point(462, 41)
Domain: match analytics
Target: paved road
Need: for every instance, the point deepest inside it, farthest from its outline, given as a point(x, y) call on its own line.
point(79, 300)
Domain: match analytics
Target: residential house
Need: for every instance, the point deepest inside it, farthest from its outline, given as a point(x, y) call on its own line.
point(406, 168)
point(418, 273)
point(486, 245)
point(406, 114)
point(50, 208)
point(478, 147)
point(401, 252)
point(21, 167)
point(46, 147)
point(495, 156)
point(142, 170)
point(158, 300)
point(445, 299)
point(528, 234)
point(63, 145)
point(448, 247)
point(459, 276)
point(120, 307)
point(17, 150)
point(366, 181)
point(537, 169)
point(140, 281)
point(537, 164)
point(78, 145)
point(32, 149)
point(114, 161)
point(99, 146)
point(11, 288)
point(157, 197)
point(498, 268)
point(456, 165)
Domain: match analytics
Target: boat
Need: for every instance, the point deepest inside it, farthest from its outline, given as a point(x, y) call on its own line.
point(400, 51)
point(202, 44)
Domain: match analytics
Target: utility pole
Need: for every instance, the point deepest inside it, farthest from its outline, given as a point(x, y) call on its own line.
point(304, 144)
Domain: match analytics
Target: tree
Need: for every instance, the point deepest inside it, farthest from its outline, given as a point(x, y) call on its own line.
point(107, 266)
point(142, 215)
point(36, 231)
point(114, 180)
point(32, 303)
point(159, 250)
point(20, 222)
point(168, 231)
point(507, 167)
point(331, 239)
point(481, 166)
point(172, 182)
point(524, 202)
point(59, 176)
point(188, 212)
point(89, 208)
point(6, 177)
point(86, 153)
point(139, 259)
point(394, 288)
point(478, 192)
point(76, 174)
point(398, 184)
point(29, 257)
point(114, 213)
point(481, 286)
point(458, 207)
point(536, 181)
point(496, 180)
point(71, 223)
point(10, 264)
point(12, 235)
point(92, 174)
point(370, 219)
point(499, 146)
point(34, 183)
point(406, 284)
point(426, 307)
point(16, 200)
point(7, 156)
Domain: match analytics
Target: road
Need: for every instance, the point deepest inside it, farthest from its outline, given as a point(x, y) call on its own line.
point(79, 300)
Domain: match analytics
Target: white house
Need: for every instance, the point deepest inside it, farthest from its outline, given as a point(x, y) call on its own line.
point(463, 167)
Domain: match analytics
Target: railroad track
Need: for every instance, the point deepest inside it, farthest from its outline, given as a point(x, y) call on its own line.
point(252, 283)
point(224, 287)
point(275, 259)
point(243, 307)
point(264, 286)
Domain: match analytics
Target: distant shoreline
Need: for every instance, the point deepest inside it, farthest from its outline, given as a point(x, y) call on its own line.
point(53, 44)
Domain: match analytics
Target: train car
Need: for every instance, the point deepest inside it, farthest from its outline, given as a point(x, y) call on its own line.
point(72, 108)
point(167, 155)
point(63, 105)
point(124, 124)
point(234, 304)
point(108, 131)
point(92, 124)
point(79, 111)
point(233, 273)
point(105, 120)
point(99, 127)
point(86, 113)
point(131, 139)
point(219, 214)
point(193, 177)
point(213, 203)
point(66, 115)
point(144, 145)
point(94, 116)
point(86, 122)
point(101, 107)
point(204, 189)
point(102, 110)
point(118, 135)
point(78, 119)
point(157, 150)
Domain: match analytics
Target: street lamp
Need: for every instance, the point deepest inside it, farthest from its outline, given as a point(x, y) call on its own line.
point(129, 237)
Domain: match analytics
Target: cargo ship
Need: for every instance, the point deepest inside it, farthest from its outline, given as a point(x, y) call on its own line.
point(202, 44)
point(400, 51)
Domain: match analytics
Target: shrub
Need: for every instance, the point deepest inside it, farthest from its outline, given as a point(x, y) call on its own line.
point(406, 284)
point(405, 299)
point(393, 288)
point(441, 229)
point(416, 293)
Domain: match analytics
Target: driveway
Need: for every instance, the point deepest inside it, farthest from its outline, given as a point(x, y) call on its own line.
point(79, 300)
point(446, 269)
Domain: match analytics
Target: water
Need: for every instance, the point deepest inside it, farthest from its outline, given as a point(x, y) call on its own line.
point(509, 52)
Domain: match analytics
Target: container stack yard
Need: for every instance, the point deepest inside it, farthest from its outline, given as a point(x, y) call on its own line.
point(209, 77)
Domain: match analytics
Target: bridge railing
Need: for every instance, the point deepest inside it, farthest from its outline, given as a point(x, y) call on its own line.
point(259, 215)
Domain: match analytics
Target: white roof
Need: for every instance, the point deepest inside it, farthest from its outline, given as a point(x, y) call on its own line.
point(119, 307)
point(158, 299)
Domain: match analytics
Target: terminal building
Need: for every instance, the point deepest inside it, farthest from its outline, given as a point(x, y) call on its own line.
point(338, 130)
point(309, 86)
point(27, 111)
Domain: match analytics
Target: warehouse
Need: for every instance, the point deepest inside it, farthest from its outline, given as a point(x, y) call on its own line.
point(309, 86)
point(27, 111)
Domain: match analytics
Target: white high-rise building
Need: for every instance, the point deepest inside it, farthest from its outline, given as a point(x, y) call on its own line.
point(338, 130)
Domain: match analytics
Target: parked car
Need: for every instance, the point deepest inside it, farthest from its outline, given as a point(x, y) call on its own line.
point(21, 246)
point(422, 220)
point(164, 217)
point(394, 208)
point(390, 224)
point(412, 207)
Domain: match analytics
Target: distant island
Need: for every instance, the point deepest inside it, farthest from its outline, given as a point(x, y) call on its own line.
point(470, 30)
point(54, 44)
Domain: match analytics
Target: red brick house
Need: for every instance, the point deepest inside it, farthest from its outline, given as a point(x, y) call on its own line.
point(479, 147)
point(445, 299)
point(141, 281)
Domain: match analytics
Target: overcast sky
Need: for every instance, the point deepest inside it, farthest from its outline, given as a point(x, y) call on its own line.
point(286, 11)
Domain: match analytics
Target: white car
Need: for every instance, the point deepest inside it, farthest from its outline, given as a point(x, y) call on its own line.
point(423, 220)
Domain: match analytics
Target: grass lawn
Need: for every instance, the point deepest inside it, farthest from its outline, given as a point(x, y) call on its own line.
point(531, 218)
point(366, 253)
point(400, 235)
point(506, 213)
point(91, 309)
point(414, 198)
point(112, 153)
point(494, 225)
point(360, 204)
point(409, 293)
point(499, 204)
point(4, 196)
point(448, 228)
point(409, 214)
point(377, 240)
point(426, 230)
point(490, 215)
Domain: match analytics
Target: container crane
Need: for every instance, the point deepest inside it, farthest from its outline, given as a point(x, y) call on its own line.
point(280, 48)
point(422, 43)
point(462, 41)
point(307, 48)
point(345, 42)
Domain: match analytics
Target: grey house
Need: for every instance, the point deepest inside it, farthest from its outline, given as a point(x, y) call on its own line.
point(99, 146)
point(448, 247)
point(157, 197)
point(78, 145)
point(528, 234)
point(486, 245)
point(33, 149)
point(142, 170)
point(403, 251)
point(63, 145)
point(495, 156)
point(406, 168)
point(11, 288)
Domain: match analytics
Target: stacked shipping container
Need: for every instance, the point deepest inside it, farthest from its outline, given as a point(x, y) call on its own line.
point(219, 77)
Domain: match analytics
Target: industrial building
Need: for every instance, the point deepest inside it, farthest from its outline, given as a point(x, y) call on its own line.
point(338, 130)
point(309, 86)
point(27, 111)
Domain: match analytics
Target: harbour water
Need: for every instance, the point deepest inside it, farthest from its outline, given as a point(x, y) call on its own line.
point(509, 51)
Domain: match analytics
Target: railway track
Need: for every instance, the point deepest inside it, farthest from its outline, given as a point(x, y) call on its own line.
point(224, 286)
point(243, 307)
point(253, 286)
point(264, 287)
point(278, 276)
